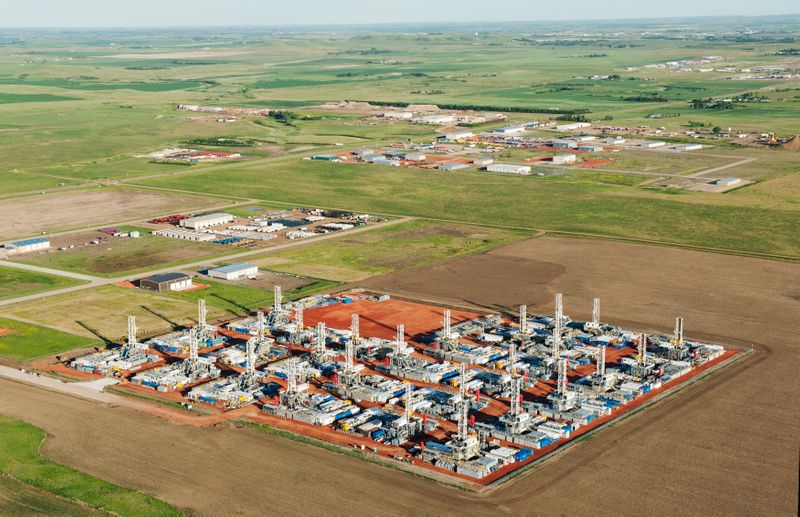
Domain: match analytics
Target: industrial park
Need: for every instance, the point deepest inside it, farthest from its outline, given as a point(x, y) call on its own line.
point(477, 396)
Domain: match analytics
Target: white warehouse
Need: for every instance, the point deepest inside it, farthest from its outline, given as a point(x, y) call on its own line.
point(201, 222)
point(27, 246)
point(561, 159)
point(509, 168)
point(234, 271)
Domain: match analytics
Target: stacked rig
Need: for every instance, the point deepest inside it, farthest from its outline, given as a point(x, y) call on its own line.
point(471, 394)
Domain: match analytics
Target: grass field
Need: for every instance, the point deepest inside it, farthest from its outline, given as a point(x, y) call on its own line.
point(386, 250)
point(17, 498)
point(122, 257)
point(11, 182)
point(27, 341)
point(240, 300)
point(101, 313)
point(568, 203)
point(20, 459)
point(16, 282)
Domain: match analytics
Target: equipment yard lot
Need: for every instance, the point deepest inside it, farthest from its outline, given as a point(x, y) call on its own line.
point(117, 256)
point(100, 312)
point(56, 211)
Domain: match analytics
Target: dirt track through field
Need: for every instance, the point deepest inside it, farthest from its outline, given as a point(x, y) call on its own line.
point(726, 445)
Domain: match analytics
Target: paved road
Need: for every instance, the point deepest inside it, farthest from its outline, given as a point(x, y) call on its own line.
point(39, 269)
point(93, 281)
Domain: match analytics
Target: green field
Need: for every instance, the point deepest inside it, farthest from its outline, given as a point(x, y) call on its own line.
point(20, 459)
point(17, 98)
point(571, 202)
point(18, 498)
point(100, 314)
point(11, 182)
point(16, 282)
point(27, 341)
point(385, 250)
point(237, 300)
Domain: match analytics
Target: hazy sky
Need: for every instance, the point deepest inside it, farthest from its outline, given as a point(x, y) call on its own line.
point(145, 13)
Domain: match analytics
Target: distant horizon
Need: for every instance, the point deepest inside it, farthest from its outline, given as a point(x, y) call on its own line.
point(402, 24)
point(254, 14)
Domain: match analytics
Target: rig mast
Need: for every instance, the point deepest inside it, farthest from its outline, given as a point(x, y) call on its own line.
point(596, 313)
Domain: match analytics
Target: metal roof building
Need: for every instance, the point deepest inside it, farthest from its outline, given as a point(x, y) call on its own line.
point(166, 282)
point(200, 222)
point(234, 271)
point(27, 245)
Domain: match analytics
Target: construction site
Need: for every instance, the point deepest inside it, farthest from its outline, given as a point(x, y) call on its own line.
point(473, 396)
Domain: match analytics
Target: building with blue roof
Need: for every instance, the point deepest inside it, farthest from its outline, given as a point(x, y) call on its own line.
point(27, 245)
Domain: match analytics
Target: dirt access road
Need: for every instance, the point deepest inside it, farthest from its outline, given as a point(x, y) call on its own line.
point(726, 445)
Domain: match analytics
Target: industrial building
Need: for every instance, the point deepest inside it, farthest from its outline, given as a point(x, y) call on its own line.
point(166, 282)
point(510, 130)
point(402, 115)
point(565, 158)
point(483, 161)
point(728, 182)
point(573, 126)
point(509, 168)
point(688, 147)
point(653, 145)
point(185, 235)
point(458, 136)
point(562, 143)
point(201, 222)
point(452, 166)
point(414, 157)
point(234, 271)
point(27, 246)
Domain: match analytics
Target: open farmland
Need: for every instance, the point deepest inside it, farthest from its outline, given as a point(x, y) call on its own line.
point(25, 341)
point(16, 282)
point(20, 459)
point(570, 203)
point(17, 498)
point(56, 211)
point(386, 250)
point(15, 182)
point(101, 313)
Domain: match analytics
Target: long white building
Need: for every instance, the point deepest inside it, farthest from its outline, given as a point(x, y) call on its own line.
point(201, 222)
